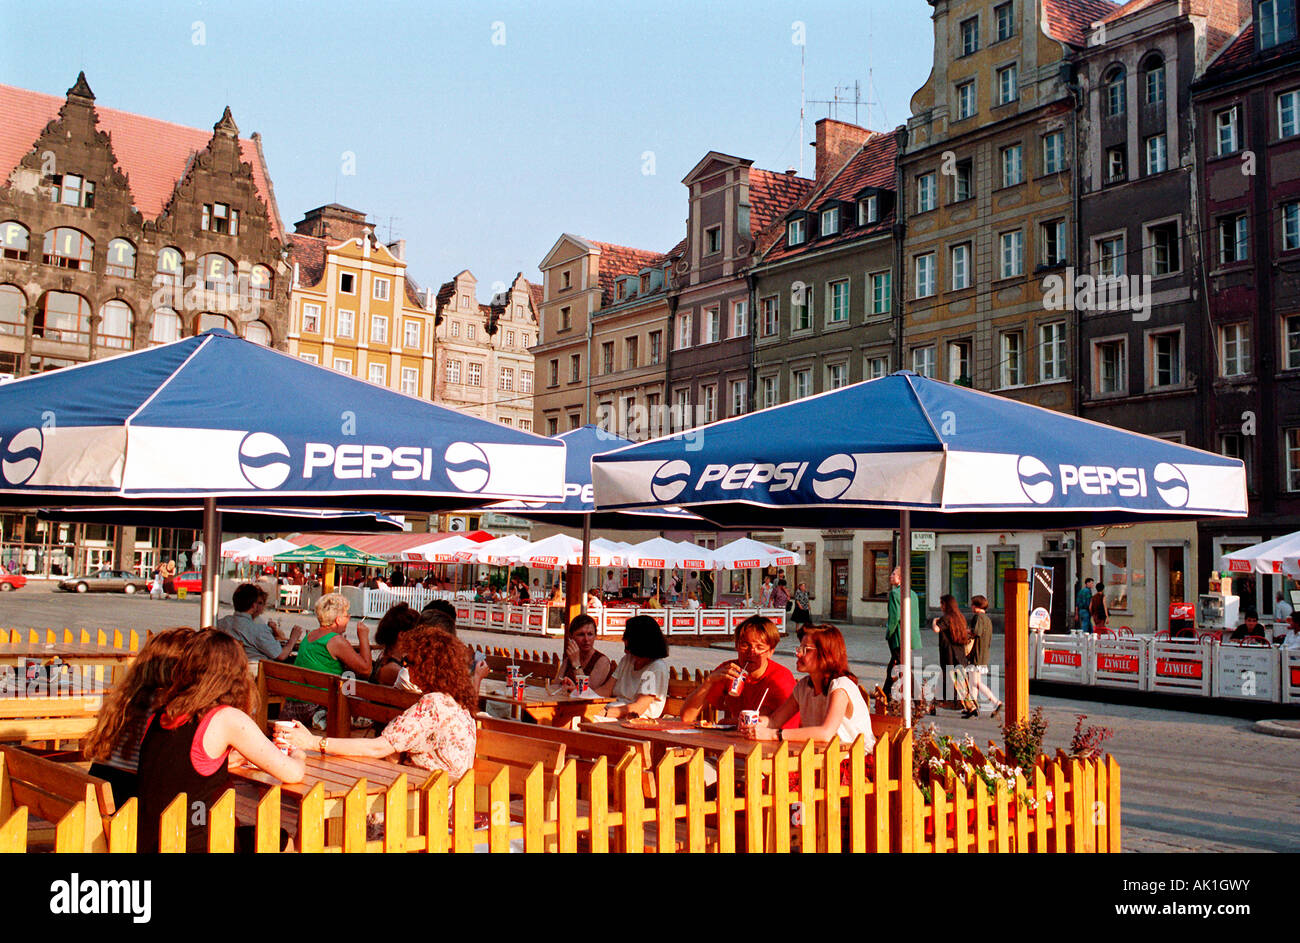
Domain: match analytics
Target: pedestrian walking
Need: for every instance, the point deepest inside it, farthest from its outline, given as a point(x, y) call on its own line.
point(1081, 604)
point(892, 636)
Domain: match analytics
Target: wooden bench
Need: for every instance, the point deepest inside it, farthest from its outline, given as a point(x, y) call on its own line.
point(375, 702)
point(586, 748)
point(60, 718)
point(278, 680)
point(50, 791)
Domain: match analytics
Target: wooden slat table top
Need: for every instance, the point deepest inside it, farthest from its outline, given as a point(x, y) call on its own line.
point(536, 696)
point(337, 774)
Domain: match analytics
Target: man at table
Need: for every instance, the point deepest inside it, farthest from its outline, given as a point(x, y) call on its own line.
point(258, 638)
point(1249, 628)
point(767, 684)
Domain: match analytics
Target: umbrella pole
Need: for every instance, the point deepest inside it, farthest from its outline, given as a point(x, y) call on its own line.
point(905, 610)
point(211, 562)
point(586, 552)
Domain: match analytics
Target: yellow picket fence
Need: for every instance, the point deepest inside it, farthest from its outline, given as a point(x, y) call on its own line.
point(129, 641)
point(813, 800)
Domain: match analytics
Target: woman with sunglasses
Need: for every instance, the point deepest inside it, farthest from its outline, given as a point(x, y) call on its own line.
point(828, 701)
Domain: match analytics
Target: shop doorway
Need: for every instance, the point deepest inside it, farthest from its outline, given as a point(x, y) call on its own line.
point(1062, 592)
point(839, 589)
point(1169, 583)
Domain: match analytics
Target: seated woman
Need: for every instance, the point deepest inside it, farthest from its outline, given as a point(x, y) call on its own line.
point(593, 599)
point(581, 654)
point(639, 684)
point(437, 731)
point(829, 701)
point(398, 619)
point(326, 649)
point(653, 602)
point(113, 747)
point(202, 718)
point(692, 600)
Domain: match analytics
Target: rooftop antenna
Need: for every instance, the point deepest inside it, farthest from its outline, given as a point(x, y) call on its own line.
point(391, 232)
point(803, 145)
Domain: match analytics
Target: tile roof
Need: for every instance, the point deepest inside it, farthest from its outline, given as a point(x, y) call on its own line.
point(536, 293)
point(771, 196)
point(413, 292)
point(1070, 21)
point(154, 154)
point(621, 260)
point(1236, 55)
point(872, 165)
point(309, 254)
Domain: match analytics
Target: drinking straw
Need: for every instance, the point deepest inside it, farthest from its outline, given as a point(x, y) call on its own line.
point(759, 706)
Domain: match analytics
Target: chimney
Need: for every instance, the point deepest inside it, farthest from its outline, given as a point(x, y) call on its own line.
point(333, 223)
point(398, 249)
point(836, 143)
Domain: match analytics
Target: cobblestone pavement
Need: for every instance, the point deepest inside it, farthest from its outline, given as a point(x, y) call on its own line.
point(1191, 782)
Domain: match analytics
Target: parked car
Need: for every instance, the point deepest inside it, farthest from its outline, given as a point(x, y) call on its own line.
point(11, 581)
point(190, 580)
point(105, 581)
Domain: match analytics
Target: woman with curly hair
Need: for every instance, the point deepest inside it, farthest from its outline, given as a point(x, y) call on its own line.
point(202, 718)
point(437, 731)
point(400, 618)
point(114, 745)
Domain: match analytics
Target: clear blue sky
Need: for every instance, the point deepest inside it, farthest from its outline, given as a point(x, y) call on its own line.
point(485, 129)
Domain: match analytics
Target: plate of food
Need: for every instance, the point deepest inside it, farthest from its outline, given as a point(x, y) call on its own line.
point(710, 725)
point(653, 723)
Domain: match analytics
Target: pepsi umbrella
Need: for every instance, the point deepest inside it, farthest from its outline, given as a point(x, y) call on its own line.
point(216, 418)
point(234, 520)
point(906, 450)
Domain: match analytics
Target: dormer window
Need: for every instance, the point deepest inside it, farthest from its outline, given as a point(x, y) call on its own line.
point(1276, 23)
point(830, 221)
point(796, 232)
point(620, 290)
point(713, 240)
point(218, 217)
point(868, 210)
point(645, 284)
point(72, 190)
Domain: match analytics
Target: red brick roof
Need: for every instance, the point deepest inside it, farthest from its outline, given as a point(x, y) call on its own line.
point(621, 260)
point(872, 165)
point(536, 293)
point(153, 154)
point(771, 196)
point(1238, 53)
point(1070, 21)
point(308, 253)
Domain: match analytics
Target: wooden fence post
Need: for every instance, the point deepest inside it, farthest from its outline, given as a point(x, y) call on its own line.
point(599, 815)
point(268, 822)
point(13, 832)
point(221, 825)
point(1015, 588)
point(396, 816)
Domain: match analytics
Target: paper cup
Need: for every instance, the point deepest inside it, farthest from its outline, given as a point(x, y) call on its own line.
point(748, 718)
point(280, 735)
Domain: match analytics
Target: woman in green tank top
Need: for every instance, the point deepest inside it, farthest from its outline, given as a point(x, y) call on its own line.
point(326, 649)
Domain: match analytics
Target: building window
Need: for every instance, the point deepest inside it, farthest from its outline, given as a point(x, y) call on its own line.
point(800, 307)
point(471, 331)
point(73, 190)
point(1012, 344)
point(1155, 80)
point(683, 330)
point(739, 318)
point(510, 340)
point(1234, 348)
point(712, 325)
point(830, 224)
point(709, 395)
point(310, 318)
point(506, 381)
point(217, 272)
point(525, 425)
point(961, 182)
point(1164, 244)
point(877, 367)
point(1225, 125)
point(309, 358)
point(166, 327)
point(1276, 22)
point(379, 374)
point(881, 292)
point(1288, 114)
point(924, 275)
point(959, 363)
point(411, 333)
point(1013, 254)
point(345, 323)
point(555, 373)
point(552, 425)
point(960, 266)
point(218, 217)
point(259, 282)
point(1165, 358)
point(837, 302)
point(378, 329)
point(965, 100)
point(768, 387)
point(1013, 165)
point(868, 210)
point(607, 357)
point(170, 266)
point(453, 371)
point(1053, 236)
point(796, 231)
point(771, 309)
point(1051, 352)
point(1113, 578)
point(923, 361)
point(525, 381)
point(1293, 459)
point(1233, 239)
point(455, 329)
point(63, 317)
point(630, 352)
point(14, 241)
point(1008, 90)
point(474, 373)
point(1291, 340)
point(1004, 15)
point(121, 259)
point(738, 391)
point(1116, 164)
point(1053, 152)
point(575, 420)
point(1110, 256)
point(925, 193)
point(1234, 445)
point(713, 240)
point(1157, 154)
point(837, 375)
point(970, 36)
point(656, 346)
point(1290, 226)
point(566, 318)
point(566, 279)
point(347, 283)
point(379, 289)
point(68, 248)
point(1109, 361)
point(1113, 88)
point(343, 365)
point(801, 383)
point(114, 330)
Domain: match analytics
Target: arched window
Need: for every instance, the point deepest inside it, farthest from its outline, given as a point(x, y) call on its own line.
point(208, 320)
point(166, 327)
point(1113, 89)
point(13, 311)
point(63, 317)
point(171, 264)
point(114, 328)
point(219, 272)
point(258, 332)
point(68, 248)
point(1153, 79)
point(121, 259)
point(259, 282)
point(14, 241)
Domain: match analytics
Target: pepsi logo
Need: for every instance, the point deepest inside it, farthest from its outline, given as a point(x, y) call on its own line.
point(670, 479)
point(1035, 479)
point(467, 466)
point(264, 460)
point(1171, 484)
point(21, 456)
point(833, 476)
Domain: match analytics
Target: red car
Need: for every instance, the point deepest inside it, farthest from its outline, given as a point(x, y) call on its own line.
point(11, 581)
point(191, 581)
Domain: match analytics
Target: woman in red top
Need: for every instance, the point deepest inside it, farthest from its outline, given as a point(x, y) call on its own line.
point(203, 719)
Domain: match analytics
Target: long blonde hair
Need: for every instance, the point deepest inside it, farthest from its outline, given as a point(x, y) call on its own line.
point(150, 673)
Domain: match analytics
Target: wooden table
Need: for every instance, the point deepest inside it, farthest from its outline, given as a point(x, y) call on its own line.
point(546, 705)
point(13, 653)
point(712, 742)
